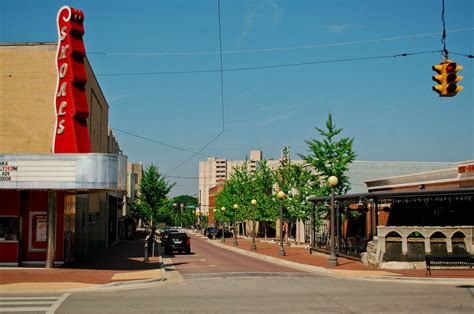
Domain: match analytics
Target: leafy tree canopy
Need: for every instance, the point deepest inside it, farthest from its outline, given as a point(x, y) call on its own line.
point(153, 205)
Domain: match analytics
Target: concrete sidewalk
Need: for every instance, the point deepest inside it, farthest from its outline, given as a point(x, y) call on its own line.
point(300, 258)
point(122, 266)
point(118, 266)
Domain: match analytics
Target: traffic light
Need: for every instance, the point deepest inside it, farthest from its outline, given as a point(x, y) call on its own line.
point(447, 78)
point(452, 78)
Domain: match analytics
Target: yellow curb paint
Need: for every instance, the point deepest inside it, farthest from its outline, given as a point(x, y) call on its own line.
point(43, 286)
point(362, 273)
point(144, 274)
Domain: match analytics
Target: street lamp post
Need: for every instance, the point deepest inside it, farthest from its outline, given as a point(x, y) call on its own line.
point(313, 231)
point(174, 210)
point(281, 196)
point(236, 243)
point(181, 206)
point(223, 223)
point(198, 219)
point(216, 222)
point(332, 257)
point(253, 247)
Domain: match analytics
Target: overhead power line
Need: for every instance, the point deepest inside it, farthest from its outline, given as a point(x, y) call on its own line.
point(222, 96)
point(272, 66)
point(158, 142)
point(197, 53)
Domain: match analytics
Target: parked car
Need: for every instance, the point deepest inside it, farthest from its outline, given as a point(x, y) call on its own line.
point(166, 231)
point(218, 233)
point(177, 241)
point(210, 232)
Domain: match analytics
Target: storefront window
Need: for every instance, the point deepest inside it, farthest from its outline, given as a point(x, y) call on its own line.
point(9, 228)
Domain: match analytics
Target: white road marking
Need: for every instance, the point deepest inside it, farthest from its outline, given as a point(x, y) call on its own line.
point(183, 267)
point(55, 306)
point(23, 309)
point(27, 304)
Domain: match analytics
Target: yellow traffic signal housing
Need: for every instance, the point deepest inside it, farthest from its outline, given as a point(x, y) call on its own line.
point(447, 78)
point(452, 78)
point(440, 78)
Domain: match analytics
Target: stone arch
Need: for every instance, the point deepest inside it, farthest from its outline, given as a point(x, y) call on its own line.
point(393, 246)
point(438, 243)
point(393, 234)
point(415, 246)
point(458, 241)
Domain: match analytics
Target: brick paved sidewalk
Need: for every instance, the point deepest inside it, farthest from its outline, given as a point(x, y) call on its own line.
point(302, 256)
point(120, 262)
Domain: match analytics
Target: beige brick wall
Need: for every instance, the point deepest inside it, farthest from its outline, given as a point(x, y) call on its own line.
point(27, 84)
point(27, 109)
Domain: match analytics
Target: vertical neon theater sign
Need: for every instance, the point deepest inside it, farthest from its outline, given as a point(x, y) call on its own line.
point(71, 133)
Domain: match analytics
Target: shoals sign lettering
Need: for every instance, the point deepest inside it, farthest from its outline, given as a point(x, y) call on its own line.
point(71, 133)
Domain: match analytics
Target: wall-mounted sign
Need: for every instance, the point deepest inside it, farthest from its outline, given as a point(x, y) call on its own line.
point(41, 228)
point(469, 168)
point(8, 170)
point(71, 133)
point(37, 170)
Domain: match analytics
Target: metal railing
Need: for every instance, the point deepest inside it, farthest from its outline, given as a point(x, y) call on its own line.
point(351, 246)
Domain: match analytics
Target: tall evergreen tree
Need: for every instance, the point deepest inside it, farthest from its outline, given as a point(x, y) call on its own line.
point(329, 156)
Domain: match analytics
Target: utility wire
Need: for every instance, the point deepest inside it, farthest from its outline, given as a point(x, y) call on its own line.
point(221, 64)
point(158, 142)
point(193, 155)
point(463, 55)
point(222, 97)
point(270, 66)
point(443, 36)
point(368, 41)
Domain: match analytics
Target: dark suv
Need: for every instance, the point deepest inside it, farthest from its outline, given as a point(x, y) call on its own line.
point(177, 241)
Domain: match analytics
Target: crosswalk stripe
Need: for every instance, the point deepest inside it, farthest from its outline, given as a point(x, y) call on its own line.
point(24, 309)
point(27, 304)
point(29, 298)
point(55, 306)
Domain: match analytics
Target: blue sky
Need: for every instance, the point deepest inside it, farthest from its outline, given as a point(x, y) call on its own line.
point(386, 104)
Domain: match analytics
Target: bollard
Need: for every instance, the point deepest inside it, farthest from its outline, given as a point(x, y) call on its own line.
point(145, 253)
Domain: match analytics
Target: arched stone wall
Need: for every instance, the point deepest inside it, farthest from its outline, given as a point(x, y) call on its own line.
point(427, 233)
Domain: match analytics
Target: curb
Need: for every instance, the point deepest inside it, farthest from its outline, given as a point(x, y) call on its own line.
point(322, 270)
point(275, 260)
point(121, 285)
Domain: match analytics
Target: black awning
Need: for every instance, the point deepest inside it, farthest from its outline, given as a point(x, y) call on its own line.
point(433, 194)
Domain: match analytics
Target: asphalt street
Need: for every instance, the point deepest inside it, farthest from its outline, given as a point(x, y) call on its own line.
point(271, 293)
point(215, 280)
point(206, 258)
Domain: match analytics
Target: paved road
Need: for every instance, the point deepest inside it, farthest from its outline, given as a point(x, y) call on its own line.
point(208, 258)
point(277, 293)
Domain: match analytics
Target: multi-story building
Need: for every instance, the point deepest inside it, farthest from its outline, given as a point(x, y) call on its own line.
point(127, 223)
point(216, 169)
point(82, 191)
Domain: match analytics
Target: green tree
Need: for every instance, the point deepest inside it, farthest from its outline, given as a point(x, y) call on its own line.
point(188, 215)
point(329, 156)
point(237, 190)
point(153, 205)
